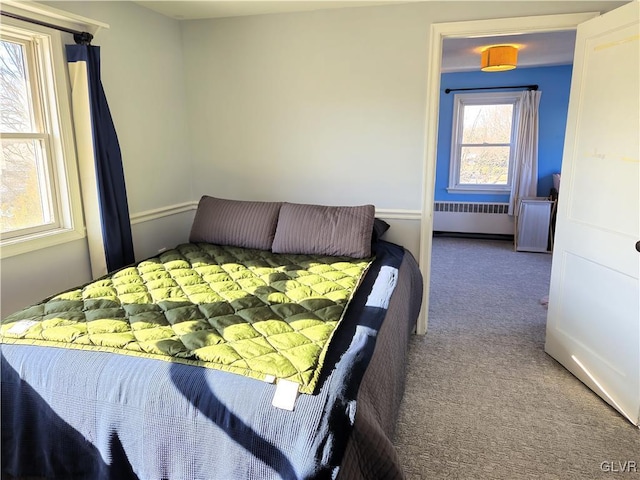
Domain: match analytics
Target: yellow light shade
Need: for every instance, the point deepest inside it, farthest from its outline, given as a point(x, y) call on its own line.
point(499, 58)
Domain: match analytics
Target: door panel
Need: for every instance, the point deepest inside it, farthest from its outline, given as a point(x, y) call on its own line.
point(593, 296)
point(613, 100)
point(593, 324)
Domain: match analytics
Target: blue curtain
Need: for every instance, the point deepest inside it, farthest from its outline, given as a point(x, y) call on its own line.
point(112, 193)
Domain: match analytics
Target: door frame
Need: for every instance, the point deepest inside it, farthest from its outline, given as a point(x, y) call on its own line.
point(440, 31)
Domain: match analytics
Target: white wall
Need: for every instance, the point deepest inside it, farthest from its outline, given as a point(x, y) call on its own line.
point(308, 107)
point(322, 107)
point(143, 79)
point(30, 277)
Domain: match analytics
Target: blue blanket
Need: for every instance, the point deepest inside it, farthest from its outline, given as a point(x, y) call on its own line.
point(74, 415)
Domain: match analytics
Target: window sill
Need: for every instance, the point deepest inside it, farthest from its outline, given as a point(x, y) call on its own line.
point(18, 246)
point(480, 190)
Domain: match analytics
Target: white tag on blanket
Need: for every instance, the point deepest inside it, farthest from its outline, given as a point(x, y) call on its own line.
point(21, 326)
point(269, 378)
point(286, 394)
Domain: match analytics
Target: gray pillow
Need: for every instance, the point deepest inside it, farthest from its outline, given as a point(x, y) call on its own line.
point(234, 222)
point(319, 229)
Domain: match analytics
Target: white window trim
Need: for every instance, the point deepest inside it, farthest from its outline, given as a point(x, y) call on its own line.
point(65, 173)
point(459, 101)
point(53, 16)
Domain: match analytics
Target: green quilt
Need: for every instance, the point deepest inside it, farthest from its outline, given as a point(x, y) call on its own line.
point(250, 312)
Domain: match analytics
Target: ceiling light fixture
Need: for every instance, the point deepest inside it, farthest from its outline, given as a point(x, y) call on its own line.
point(499, 58)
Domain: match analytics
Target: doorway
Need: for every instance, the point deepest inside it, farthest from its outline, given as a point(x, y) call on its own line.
point(482, 28)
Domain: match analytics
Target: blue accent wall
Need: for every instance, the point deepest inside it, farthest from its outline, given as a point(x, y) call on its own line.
point(554, 83)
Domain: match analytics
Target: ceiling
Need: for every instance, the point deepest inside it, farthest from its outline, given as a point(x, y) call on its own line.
point(458, 54)
point(192, 10)
point(535, 49)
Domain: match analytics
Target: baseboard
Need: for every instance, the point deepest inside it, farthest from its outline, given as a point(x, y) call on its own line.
point(480, 236)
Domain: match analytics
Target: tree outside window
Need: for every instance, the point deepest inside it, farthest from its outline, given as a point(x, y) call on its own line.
point(483, 142)
point(40, 203)
point(25, 191)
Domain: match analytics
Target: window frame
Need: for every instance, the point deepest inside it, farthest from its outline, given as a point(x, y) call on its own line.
point(48, 69)
point(459, 102)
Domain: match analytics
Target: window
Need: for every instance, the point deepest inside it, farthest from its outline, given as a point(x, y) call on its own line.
point(39, 195)
point(483, 142)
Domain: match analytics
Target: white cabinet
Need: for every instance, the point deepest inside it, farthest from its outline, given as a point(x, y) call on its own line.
point(532, 227)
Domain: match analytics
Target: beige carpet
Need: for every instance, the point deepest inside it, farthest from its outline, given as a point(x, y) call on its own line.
point(483, 400)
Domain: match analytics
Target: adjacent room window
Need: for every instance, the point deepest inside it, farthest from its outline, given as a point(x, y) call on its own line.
point(39, 195)
point(483, 142)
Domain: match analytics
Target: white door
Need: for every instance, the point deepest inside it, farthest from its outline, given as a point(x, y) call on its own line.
point(593, 324)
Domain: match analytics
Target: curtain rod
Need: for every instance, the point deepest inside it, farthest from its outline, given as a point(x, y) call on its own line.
point(528, 87)
point(81, 38)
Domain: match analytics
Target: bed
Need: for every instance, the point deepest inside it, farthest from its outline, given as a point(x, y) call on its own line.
point(111, 408)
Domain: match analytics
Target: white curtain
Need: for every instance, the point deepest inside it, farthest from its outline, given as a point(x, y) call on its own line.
point(525, 183)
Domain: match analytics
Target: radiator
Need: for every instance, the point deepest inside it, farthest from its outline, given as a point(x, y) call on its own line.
point(472, 217)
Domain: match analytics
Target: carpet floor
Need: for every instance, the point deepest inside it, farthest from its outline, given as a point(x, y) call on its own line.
point(483, 400)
